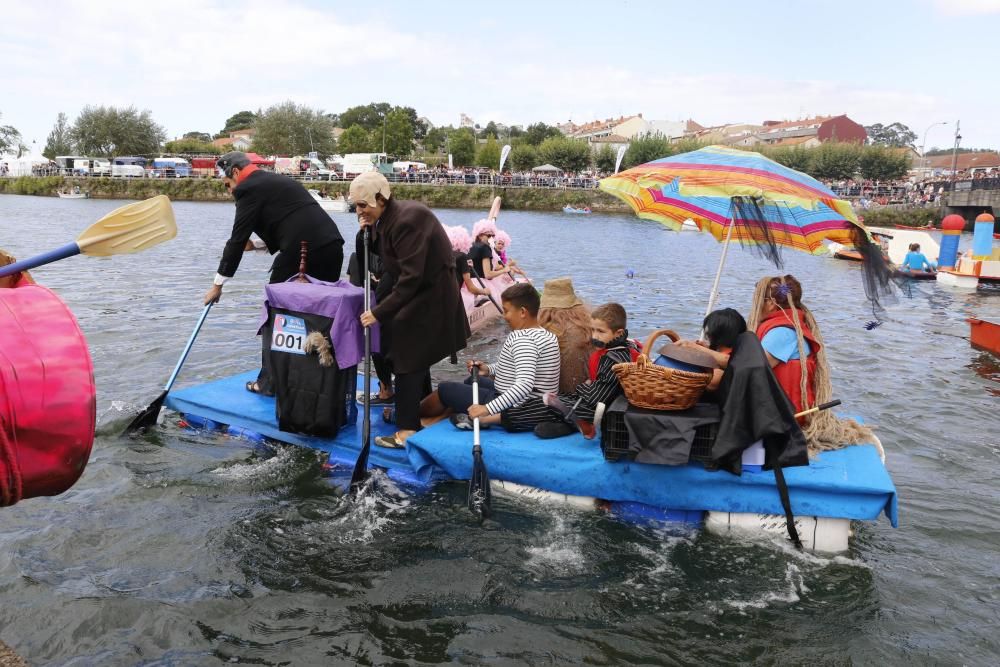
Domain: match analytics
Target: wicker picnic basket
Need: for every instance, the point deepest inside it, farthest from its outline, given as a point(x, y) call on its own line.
point(647, 385)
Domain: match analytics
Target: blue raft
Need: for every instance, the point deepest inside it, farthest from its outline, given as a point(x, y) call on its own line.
point(850, 483)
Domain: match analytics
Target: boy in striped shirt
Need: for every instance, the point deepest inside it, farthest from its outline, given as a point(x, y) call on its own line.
point(527, 367)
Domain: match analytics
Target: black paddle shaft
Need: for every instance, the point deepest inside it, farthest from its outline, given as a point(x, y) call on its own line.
point(361, 465)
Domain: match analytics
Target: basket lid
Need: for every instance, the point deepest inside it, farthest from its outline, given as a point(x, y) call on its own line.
point(688, 355)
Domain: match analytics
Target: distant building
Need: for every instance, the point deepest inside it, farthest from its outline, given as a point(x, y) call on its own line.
point(465, 121)
point(625, 126)
point(615, 141)
point(971, 162)
point(823, 128)
point(732, 134)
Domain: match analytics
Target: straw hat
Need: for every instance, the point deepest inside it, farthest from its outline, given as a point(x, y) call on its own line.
point(558, 293)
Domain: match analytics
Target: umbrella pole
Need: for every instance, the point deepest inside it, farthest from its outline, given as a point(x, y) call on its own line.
point(722, 260)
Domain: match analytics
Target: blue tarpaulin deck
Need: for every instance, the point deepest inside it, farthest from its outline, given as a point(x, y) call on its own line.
point(849, 483)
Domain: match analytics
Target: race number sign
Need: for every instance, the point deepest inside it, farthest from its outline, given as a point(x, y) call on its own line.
point(288, 334)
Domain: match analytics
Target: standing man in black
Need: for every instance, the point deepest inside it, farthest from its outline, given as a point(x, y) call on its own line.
point(282, 214)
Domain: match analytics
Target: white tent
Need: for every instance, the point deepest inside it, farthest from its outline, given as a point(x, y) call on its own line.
point(21, 166)
point(546, 167)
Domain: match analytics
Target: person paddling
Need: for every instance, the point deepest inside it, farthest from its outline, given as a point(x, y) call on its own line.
point(279, 211)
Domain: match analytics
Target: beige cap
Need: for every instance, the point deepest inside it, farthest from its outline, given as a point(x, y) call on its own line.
point(558, 293)
point(365, 186)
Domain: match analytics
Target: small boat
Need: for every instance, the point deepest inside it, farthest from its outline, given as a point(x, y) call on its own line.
point(74, 195)
point(480, 310)
point(915, 275)
point(985, 335)
point(330, 204)
point(579, 211)
point(840, 251)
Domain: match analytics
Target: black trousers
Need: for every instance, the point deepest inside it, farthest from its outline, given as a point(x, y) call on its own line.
point(324, 263)
point(411, 388)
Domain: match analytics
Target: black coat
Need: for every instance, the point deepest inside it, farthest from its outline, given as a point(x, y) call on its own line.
point(424, 307)
point(755, 407)
point(281, 213)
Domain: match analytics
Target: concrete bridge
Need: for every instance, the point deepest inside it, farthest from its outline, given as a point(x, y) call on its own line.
point(970, 198)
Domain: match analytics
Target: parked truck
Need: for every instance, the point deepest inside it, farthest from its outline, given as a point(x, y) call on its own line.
point(359, 163)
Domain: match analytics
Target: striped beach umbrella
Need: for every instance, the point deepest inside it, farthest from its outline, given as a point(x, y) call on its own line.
point(740, 196)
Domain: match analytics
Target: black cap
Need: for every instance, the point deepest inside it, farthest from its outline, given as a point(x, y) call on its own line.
point(230, 160)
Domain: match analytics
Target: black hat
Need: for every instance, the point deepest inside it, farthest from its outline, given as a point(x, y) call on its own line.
point(230, 160)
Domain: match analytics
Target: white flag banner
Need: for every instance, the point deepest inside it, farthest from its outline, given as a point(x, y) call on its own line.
point(618, 160)
point(503, 156)
point(450, 165)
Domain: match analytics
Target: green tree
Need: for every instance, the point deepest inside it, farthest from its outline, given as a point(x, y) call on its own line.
point(647, 148)
point(794, 157)
point(292, 129)
point(539, 132)
point(355, 139)
point(188, 146)
point(896, 135)
point(241, 120)
point(59, 141)
point(398, 133)
point(880, 163)
point(203, 137)
point(491, 128)
point(605, 159)
point(434, 139)
point(834, 160)
point(489, 154)
point(109, 131)
point(368, 116)
point(462, 146)
point(567, 154)
point(523, 157)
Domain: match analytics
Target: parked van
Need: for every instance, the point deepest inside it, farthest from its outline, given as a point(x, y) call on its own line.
point(67, 163)
point(92, 167)
point(203, 167)
point(128, 167)
point(359, 163)
point(169, 167)
point(100, 167)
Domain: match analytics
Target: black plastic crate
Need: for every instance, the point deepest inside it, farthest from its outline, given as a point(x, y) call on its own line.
point(615, 438)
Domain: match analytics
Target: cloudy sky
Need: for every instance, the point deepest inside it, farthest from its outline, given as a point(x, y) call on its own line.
point(193, 64)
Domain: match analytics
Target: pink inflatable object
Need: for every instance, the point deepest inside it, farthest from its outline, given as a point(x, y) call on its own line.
point(47, 395)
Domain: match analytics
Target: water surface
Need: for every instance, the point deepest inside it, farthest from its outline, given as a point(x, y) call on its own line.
point(185, 548)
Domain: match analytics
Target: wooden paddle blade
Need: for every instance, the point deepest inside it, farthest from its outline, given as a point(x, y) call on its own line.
point(131, 228)
point(494, 210)
point(147, 417)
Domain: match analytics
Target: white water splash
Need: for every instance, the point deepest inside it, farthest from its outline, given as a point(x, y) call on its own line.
point(794, 589)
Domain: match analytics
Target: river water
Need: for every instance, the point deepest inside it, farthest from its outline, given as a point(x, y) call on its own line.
point(183, 548)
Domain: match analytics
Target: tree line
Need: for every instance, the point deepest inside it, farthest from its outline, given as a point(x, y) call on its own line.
point(292, 129)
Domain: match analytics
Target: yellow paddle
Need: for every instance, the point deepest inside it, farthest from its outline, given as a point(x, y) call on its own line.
point(131, 228)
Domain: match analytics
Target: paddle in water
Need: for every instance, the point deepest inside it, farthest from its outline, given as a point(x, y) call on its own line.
point(131, 228)
point(480, 495)
point(361, 465)
point(148, 416)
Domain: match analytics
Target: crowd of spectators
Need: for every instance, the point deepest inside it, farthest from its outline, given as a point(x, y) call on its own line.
point(869, 194)
point(441, 175)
